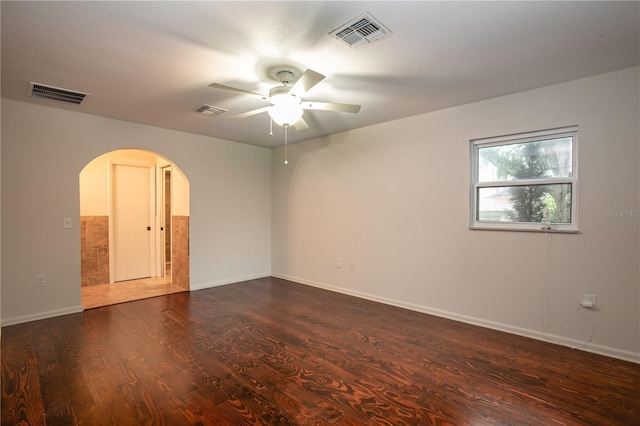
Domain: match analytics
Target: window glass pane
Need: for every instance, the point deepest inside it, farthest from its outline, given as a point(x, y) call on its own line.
point(544, 159)
point(525, 203)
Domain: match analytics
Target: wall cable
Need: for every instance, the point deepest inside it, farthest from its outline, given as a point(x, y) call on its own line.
point(545, 316)
point(593, 328)
point(547, 274)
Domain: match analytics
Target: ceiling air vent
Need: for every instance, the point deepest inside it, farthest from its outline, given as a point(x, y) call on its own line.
point(360, 31)
point(56, 94)
point(209, 110)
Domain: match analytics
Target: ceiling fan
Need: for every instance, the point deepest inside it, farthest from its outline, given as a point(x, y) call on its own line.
point(287, 106)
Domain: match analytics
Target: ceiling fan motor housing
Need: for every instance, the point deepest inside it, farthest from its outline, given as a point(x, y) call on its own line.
point(285, 77)
point(279, 90)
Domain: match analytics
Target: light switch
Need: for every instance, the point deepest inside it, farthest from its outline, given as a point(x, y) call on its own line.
point(67, 222)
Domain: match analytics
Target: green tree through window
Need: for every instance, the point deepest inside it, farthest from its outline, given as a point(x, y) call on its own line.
point(532, 161)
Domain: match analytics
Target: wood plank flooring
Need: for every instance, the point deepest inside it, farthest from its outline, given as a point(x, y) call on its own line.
point(272, 352)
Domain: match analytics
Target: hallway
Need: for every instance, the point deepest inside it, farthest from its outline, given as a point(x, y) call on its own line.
point(115, 245)
point(126, 291)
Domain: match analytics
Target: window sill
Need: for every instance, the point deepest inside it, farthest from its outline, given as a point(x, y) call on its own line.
point(542, 231)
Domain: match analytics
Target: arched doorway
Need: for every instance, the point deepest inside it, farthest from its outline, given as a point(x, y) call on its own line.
point(134, 228)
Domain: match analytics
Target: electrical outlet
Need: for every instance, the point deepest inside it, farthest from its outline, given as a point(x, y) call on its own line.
point(589, 301)
point(338, 263)
point(41, 280)
point(236, 257)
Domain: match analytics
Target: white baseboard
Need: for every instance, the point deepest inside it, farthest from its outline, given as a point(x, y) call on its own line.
point(534, 334)
point(41, 315)
point(202, 286)
point(76, 309)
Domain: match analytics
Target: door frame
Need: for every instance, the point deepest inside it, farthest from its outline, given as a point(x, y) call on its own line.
point(153, 217)
point(161, 216)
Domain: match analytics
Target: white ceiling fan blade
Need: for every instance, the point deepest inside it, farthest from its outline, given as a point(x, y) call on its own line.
point(301, 124)
point(306, 81)
point(250, 113)
point(236, 90)
point(331, 106)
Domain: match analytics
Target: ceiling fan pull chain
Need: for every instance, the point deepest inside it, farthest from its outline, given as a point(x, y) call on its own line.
point(286, 141)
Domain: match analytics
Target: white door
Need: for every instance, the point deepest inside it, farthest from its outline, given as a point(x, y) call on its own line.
point(132, 221)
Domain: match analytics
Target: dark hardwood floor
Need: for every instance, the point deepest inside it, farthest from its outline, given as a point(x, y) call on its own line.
point(272, 352)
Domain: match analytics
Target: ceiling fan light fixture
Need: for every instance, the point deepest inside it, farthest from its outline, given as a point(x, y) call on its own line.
point(286, 109)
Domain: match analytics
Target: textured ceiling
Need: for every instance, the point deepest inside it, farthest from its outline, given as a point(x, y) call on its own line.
point(152, 62)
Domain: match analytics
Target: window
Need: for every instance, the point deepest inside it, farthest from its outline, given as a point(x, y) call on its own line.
point(526, 181)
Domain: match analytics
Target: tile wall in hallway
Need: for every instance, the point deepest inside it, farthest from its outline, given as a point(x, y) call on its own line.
point(94, 250)
point(180, 251)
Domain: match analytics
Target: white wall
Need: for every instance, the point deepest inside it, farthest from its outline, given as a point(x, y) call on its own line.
point(0, 222)
point(44, 150)
point(395, 198)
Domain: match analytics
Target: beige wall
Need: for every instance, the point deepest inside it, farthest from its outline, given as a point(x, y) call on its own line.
point(94, 185)
point(180, 193)
point(43, 152)
point(94, 196)
point(395, 197)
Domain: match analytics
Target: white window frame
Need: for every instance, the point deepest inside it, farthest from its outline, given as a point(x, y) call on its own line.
point(476, 144)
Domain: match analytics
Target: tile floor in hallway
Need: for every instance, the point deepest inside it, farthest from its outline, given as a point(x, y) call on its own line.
point(126, 291)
